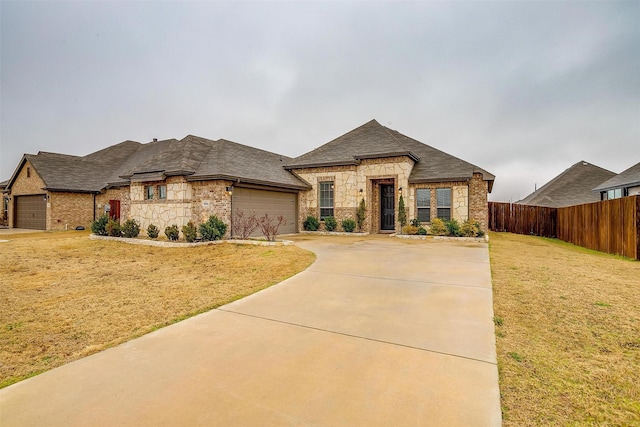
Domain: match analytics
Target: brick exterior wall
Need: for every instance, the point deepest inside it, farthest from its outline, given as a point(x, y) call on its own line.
point(69, 210)
point(211, 198)
point(26, 185)
point(478, 201)
point(122, 194)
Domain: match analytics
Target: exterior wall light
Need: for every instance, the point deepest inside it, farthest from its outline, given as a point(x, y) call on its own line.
point(230, 190)
point(360, 191)
point(400, 190)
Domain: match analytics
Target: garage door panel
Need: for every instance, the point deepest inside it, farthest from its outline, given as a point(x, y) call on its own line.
point(273, 203)
point(31, 212)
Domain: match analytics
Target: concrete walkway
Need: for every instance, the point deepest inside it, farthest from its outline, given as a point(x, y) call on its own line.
point(376, 332)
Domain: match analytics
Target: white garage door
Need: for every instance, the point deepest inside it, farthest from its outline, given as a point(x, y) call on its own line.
point(273, 203)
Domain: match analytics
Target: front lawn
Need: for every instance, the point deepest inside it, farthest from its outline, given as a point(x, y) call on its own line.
point(63, 296)
point(567, 331)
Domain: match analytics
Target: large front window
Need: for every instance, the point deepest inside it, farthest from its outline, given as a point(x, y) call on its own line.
point(326, 199)
point(423, 197)
point(443, 203)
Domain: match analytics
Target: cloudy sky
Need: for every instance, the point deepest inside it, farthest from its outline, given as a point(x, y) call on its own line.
point(522, 89)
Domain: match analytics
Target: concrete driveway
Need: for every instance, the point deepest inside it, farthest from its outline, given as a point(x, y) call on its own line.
point(377, 331)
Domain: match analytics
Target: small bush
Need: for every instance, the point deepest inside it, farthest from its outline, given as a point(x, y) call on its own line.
point(402, 212)
point(270, 225)
point(469, 229)
point(153, 231)
point(438, 227)
point(348, 225)
point(330, 223)
point(244, 225)
point(311, 223)
point(113, 228)
point(415, 222)
point(409, 229)
point(213, 229)
point(172, 232)
point(361, 214)
point(453, 228)
point(131, 228)
point(422, 231)
point(190, 232)
point(99, 226)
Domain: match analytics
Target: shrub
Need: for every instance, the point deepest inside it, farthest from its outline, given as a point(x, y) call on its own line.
point(402, 212)
point(131, 228)
point(348, 225)
point(172, 232)
point(243, 225)
point(361, 214)
point(330, 223)
point(438, 227)
point(99, 226)
point(270, 225)
point(311, 223)
point(453, 228)
point(422, 231)
point(213, 229)
point(113, 228)
point(153, 231)
point(415, 222)
point(409, 229)
point(468, 229)
point(190, 232)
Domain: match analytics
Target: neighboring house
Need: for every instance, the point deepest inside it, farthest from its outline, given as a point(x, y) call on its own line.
point(4, 216)
point(627, 183)
point(572, 187)
point(173, 182)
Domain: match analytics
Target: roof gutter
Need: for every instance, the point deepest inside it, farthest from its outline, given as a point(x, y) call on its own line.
point(238, 180)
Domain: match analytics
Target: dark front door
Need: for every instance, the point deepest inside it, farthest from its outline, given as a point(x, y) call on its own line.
point(387, 208)
point(114, 210)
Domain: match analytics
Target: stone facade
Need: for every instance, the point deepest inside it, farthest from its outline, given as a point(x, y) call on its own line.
point(211, 198)
point(351, 184)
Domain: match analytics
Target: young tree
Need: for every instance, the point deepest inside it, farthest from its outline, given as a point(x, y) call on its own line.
point(402, 213)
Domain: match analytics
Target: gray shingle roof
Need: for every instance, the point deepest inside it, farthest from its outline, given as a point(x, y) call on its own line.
point(374, 140)
point(626, 178)
point(571, 187)
point(61, 172)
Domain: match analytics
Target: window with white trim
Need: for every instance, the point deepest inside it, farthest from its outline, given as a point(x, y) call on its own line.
point(423, 203)
point(326, 199)
point(443, 203)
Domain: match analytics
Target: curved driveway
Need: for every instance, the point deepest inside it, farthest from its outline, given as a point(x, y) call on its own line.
point(378, 331)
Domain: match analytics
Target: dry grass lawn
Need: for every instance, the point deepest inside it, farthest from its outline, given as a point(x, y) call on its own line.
point(63, 297)
point(568, 333)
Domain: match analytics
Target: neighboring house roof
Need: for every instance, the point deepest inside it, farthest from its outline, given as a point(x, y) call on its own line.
point(194, 157)
point(372, 140)
point(627, 178)
point(571, 187)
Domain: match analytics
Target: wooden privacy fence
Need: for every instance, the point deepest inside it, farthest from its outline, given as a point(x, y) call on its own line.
point(611, 226)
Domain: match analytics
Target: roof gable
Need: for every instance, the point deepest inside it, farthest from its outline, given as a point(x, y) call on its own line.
point(371, 140)
point(571, 187)
point(627, 178)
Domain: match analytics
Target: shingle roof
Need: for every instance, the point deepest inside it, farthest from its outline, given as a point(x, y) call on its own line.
point(230, 160)
point(374, 140)
point(571, 187)
point(627, 178)
point(61, 172)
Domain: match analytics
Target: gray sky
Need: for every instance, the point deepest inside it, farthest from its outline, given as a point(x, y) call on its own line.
point(522, 89)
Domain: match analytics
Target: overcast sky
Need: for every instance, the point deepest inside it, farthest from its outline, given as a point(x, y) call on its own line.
point(521, 89)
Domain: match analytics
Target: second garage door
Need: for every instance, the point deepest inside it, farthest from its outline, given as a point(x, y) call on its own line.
point(274, 203)
point(31, 212)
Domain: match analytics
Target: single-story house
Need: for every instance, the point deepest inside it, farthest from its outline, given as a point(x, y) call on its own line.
point(571, 187)
point(627, 183)
point(177, 181)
